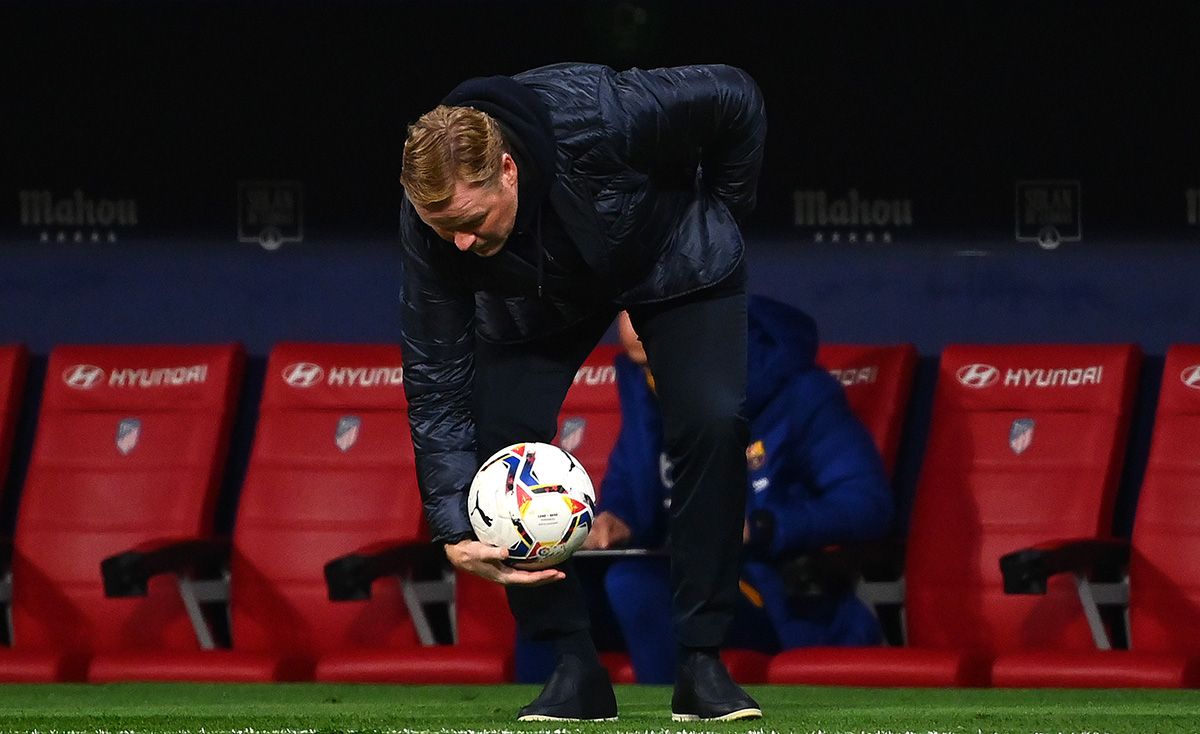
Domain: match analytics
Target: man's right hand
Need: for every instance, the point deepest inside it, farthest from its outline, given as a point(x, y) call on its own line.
point(608, 531)
point(487, 561)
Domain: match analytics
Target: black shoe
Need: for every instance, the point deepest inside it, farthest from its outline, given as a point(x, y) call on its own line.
point(705, 692)
point(573, 693)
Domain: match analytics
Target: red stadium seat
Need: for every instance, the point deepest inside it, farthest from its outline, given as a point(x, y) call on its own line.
point(331, 473)
point(485, 636)
point(878, 382)
point(1025, 446)
point(331, 470)
point(14, 363)
point(1163, 557)
point(130, 447)
point(590, 418)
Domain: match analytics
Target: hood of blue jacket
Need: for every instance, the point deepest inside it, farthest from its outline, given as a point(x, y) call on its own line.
point(782, 342)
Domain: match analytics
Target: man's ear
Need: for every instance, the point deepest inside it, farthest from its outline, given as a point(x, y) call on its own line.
point(508, 169)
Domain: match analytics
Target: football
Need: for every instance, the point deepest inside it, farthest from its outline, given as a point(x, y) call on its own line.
point(534, 499)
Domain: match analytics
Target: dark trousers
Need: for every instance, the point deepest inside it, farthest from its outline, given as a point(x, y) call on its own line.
point(697, 351)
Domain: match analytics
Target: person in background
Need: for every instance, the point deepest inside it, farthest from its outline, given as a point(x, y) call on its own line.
point(815, 479)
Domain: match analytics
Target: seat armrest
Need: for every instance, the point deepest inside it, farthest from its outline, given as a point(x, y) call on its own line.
point(830, 569)
point(882, 560)
point(349, 577)
point(620, 553)
point(128, 573)
point(1026, 571)
point(840, 568)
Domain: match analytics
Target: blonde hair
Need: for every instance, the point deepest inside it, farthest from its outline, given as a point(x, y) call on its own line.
point(449, 144)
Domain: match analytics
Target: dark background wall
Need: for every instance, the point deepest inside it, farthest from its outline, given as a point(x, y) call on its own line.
point(965, 130)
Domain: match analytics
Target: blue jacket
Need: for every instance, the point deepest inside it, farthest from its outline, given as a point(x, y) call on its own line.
point(642, 172)
point(812, 465)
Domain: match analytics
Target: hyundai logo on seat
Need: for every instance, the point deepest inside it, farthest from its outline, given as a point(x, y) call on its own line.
point(978, 375)
point(82, 376)
point(302, 374)
point(1191, 376)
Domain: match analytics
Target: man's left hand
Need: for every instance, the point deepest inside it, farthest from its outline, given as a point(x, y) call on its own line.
point(487, 561)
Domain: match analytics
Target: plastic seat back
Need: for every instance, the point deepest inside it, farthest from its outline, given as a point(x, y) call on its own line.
point(481, 615)
point(1164, 594)
point(1025, 447)
point(331, 472)
point(130, 447)
point(590, 418)
point(14, 364)
point(878, 381)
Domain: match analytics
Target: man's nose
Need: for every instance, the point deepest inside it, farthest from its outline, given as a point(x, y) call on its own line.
point(464, 240)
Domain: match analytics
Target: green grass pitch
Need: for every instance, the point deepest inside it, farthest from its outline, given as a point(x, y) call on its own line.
point(309, 708)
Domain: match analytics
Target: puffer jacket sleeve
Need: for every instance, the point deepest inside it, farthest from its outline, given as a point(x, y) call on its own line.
point(437, 339)
point(842, 494)
point(710, 117)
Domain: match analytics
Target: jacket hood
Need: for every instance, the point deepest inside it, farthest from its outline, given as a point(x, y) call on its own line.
point(527, 127)
point(782, 342)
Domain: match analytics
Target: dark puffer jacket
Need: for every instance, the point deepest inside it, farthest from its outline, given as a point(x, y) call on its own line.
point(650, 169)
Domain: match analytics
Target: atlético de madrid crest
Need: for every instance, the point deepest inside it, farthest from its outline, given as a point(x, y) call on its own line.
point(1020, 434)
point(570, 436)
point(129, 432)
point(346, 433)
